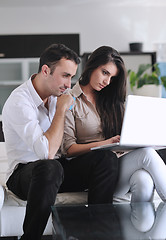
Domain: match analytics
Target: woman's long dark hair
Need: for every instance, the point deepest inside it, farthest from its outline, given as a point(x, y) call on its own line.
point(110, 100)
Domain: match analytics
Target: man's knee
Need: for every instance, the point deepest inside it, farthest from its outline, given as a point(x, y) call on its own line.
point(48, 170)
point(106, 155)
point(107, 161)
point(110, 160)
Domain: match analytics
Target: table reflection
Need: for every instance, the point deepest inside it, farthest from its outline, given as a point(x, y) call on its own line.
point(93, 222)
point(110, 222)
point(142, 220)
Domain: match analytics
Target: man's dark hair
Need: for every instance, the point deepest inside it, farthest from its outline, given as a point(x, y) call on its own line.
point(54, 53)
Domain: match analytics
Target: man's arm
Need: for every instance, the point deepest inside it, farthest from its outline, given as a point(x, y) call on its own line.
point(55, 132)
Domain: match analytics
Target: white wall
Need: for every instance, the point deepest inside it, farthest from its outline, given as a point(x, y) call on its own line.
point(99, 22)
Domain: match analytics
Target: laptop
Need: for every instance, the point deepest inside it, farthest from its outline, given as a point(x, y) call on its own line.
point(144, 124)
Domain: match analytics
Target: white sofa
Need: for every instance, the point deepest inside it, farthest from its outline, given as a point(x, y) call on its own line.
point(12, 209)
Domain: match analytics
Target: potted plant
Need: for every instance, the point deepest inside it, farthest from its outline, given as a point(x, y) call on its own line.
point(147, 80)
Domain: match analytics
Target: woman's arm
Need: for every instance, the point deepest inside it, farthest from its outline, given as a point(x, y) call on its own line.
point(77, 149)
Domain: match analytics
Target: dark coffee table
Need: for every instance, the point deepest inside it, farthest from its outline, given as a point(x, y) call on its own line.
point(109, 222)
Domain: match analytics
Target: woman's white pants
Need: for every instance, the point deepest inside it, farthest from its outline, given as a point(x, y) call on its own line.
point(140, 172)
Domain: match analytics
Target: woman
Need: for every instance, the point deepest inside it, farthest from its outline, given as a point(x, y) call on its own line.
point(96, 120)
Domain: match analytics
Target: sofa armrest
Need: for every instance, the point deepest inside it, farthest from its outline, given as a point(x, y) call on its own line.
point(2, 194)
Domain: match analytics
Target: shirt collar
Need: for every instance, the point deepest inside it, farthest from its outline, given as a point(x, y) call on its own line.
point(36, 98)
point(76, 91)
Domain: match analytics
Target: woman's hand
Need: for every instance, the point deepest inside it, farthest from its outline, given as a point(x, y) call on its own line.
point(114, 139)
point(76, 149)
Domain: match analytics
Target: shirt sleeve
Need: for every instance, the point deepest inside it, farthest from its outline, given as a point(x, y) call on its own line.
point(41, 147)
point(23, 119)
point(69, 137)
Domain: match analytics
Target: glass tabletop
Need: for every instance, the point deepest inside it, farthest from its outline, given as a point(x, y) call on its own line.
point(136, 221)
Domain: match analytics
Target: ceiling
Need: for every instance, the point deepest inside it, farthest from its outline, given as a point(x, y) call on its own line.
point(30, 3)
point(47, 3)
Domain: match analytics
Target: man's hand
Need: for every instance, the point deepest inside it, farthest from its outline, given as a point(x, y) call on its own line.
point(64, 102)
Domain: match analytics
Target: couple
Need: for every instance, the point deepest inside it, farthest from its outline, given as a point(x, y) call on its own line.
point(37, 121)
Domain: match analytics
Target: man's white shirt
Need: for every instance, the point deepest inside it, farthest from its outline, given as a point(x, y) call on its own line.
point(25, 119)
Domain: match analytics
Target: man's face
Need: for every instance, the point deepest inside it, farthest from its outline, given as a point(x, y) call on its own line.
point(60, 79)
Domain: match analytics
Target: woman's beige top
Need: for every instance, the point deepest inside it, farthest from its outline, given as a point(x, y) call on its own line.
point(82, 123)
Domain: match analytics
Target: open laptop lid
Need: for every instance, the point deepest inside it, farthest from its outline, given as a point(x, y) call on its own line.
point(144, 121)
point(144, 124)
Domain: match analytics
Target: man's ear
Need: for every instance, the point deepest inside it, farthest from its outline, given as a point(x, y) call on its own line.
point(45, 70)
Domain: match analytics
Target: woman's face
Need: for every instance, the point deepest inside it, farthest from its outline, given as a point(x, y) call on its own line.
point(101, 76)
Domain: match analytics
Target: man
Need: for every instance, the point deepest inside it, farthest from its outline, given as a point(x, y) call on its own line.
point(33, 124)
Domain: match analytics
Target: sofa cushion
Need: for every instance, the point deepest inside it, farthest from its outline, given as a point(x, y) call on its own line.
point(2, 196)
point(62, 198)
point(3, 164)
